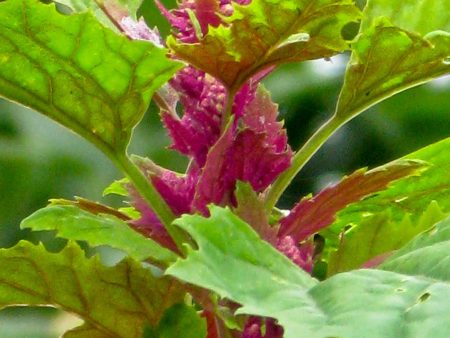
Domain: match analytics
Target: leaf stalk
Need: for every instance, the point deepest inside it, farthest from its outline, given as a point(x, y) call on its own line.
point(302, 157)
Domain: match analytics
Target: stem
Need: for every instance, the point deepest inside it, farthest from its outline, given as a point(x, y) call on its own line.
point(301, 158)
point(227, 115)
point(152, 197)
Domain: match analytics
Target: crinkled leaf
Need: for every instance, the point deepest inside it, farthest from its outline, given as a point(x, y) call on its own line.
point(74, 223)
point(409, 196)
point(180, 320)
point(77, 72)
point(117, 301)
point(232, 261)
point(266, 33)
point(401, 44)
point(313, 214)
point(378, 235)
point(428, 254)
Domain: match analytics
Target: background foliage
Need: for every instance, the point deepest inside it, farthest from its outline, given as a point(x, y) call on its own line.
point(40, 160)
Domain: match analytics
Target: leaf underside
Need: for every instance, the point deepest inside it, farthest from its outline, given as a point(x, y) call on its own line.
point(114, 301)
point(73, 223)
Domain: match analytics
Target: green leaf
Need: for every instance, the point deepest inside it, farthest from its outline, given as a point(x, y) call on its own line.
point(269, 32)
point(75, 224)
point(401, 44)
point(180, 320)
point(77, 72)
point(408, 197)
point(426, 255)
point(232, 261)
point(378, 235)
point(117, 301)
point(230, 248)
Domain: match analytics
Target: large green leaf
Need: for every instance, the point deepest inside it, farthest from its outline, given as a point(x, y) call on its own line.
point(401, 44)
point(232, 261)
point(97, 229)
point(77, 72)
point(269, 32)
point(408, 197)
point(427, 254)
point(116, 301)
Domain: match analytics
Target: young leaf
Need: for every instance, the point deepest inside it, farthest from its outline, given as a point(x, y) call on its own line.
point(408, 196)
point(116, 301)
point(401, 44)
point(427, 254)
point(265, 33)
point(75, 224)
point(315, 213)
point(232, 261)
point(179, 321)
point(377, 235)
point(77, 72)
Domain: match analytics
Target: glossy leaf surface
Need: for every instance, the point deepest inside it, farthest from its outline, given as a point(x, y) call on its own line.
point(266, 33)
point(401, 44)
point(77, 72)
point(116, 301)
point(73, 223)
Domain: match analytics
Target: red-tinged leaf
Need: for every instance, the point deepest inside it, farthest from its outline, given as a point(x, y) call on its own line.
point(203, 99)
point(265, 33)
point(193, 18)
point(313, 214)
point(214, 185)
point(302, 254)
point(256, 154)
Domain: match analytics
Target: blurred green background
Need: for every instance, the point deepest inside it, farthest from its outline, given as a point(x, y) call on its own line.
point(40, 160)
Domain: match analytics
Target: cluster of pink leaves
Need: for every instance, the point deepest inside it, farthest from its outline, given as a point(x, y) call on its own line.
point(253, 148)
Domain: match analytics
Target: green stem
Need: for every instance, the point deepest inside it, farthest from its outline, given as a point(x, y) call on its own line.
point(227, 116)
point(152, 197)
point(301, 158)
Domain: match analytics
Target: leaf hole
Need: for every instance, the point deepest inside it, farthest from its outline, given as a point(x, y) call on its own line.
point(446, 60)
point(400, 290)
point(424, 297)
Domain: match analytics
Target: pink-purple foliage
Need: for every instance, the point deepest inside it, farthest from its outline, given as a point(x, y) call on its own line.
point(253, 148)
